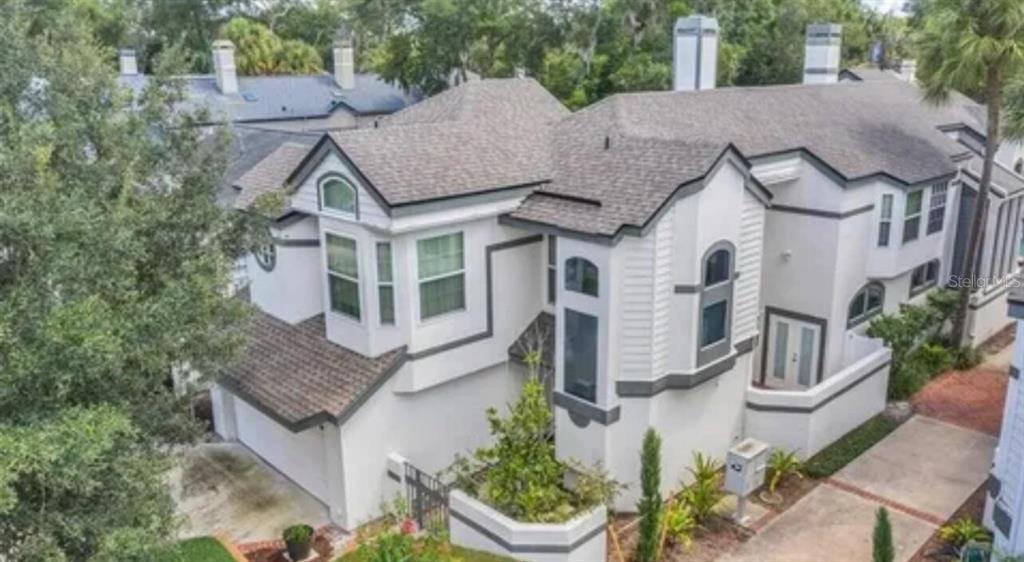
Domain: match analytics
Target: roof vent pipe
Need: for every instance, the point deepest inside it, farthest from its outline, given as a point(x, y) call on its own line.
point(694, 53)
point(821, 56)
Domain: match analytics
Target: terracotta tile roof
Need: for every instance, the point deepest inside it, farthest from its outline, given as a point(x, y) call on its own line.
point(294, 374)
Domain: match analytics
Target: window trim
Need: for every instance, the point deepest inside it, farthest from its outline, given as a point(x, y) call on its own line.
point(908, 217)
point(381, 284)
point(885, 219)
point(551, 270)
point(267, 252)
point(932, 207)
point(713, 295)
point(597, 276)
point(327, 268)
point(928, 283)
point(420, 280)
point(868, 314)
point(334, 176)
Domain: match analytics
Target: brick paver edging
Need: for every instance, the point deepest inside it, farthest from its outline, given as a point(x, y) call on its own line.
point(250, 547)
point(922, 515)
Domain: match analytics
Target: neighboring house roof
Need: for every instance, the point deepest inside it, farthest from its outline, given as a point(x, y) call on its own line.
point(270, 172)
point(270, 98)
point(294, 374)
point(1002, 178)
point(866, 74)
point(249, 147)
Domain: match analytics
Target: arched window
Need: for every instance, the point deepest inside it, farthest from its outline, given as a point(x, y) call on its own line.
point(1018, 166)
point(581, 276)
point(714, 331)
point(866, 303)
point(266, 256)
point(337, 194)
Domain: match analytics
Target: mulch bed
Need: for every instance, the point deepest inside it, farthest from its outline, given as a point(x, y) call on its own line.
point(1000, 340)
point(936, 550)
point(716, 537)
point(791, 489)
point(275, 552)
point(971, 399)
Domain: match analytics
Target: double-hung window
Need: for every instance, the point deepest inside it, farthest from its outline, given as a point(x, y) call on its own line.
point(885, 222)
point(937, 207)
point(442, 274)
point(552, 268)
point(912, 216)
point(385, 283)
point(343, 275)
point(866, 303)
point(924, 276)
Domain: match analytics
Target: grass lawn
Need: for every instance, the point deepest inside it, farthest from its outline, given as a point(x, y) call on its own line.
point(202, 549)
point(837, 455)
point(463, 554)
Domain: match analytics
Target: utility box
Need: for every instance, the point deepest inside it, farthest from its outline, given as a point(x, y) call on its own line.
point(745, 467)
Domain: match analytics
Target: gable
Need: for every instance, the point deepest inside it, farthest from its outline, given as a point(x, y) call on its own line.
point(306, 197)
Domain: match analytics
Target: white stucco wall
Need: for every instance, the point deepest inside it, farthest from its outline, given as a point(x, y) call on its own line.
point(292, 291)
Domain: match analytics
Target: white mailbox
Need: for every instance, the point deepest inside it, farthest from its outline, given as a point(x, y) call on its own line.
point(745, 467)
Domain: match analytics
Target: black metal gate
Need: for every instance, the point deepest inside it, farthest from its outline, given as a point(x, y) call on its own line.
point(428, 499)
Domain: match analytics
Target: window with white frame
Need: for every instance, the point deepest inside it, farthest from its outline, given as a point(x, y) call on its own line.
point(912, 216)
point(937, 207)
point(924, 277)
point(581, 276)
point(385, 284)
point(552, 268)
point(885, 222)
point(337, 194)
point(715, 303)
point(866, 303)
point(442, 274)
point(343, 275)
point(581, 355)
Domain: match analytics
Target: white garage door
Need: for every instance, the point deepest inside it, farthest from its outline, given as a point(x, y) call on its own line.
point(299, 456)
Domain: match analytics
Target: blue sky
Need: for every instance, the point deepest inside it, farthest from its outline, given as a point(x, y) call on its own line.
point(885, 6)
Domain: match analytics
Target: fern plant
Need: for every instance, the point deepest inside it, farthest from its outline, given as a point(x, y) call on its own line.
point(704, 493)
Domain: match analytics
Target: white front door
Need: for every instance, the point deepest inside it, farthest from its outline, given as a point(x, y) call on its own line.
point(794, 348)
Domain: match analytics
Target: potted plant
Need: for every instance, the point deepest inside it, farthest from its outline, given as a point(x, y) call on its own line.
point(298, 540)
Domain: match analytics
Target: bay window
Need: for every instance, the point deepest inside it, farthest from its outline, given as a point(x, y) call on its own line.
point(885, 223)
point(912, 216)
point(385, 284)
point(937, 207)
point(343, 275)
point(580, 355)
point(442, 274)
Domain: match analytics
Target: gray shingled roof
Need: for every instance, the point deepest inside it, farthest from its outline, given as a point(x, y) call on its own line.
point(270, 173)
point(1002, 178)
point(660, 140)
point(264, 98)
point(867, 74)
point(296, 375)
point(250, 145)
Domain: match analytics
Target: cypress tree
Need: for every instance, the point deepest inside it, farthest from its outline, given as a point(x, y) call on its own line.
point(882, 549)
point(649, 505)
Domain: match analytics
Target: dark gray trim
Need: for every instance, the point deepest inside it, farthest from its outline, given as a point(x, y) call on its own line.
point(316, 155)
point(583, 408)
point(822, 70)
point(822, 214)
point(526, 547)
point(1016, 310)
point(995, 294)
point(394, 476)
point(808, 409)
point(489, 251)
point(768, 312)
point(1014, 372)
point(297, 242)
point(683, 381)
point(994, 486)
point(688, 289)
point(1002, 520)
point(289, 218)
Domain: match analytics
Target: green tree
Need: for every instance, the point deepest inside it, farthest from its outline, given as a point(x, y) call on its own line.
point(313, 23)
point(649, 507)
point(881, 540)
point(113, 262)
point(258, 51)
point(964, 44)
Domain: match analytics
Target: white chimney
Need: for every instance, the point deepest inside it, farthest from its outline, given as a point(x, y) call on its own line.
point(129, 65)
point(694, 53)
point(821, 57)
point(344, 62)
point(224, 66)
point(907, 69)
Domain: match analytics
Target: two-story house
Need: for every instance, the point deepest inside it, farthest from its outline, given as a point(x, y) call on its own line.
point(677, 252)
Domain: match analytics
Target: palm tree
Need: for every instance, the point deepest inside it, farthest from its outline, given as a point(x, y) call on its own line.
point(973, 45)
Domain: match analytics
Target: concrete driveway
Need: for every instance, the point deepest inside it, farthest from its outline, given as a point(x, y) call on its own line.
point(921, 473)
point(223, 488)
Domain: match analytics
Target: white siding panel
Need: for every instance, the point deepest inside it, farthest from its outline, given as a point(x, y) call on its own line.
point(663, 290)
point(636, 307)
point(306, 198)
point(748, 263)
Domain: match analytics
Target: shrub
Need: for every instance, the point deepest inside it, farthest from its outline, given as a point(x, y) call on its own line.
point(649, 506)
point(966, 357)
point(704, 493)
point(881, 541)
point(678, 525)
point(848, 447)
point(963, 531)
point(782, 463)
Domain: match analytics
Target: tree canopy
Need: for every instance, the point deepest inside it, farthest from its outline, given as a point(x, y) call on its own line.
point(114, 260)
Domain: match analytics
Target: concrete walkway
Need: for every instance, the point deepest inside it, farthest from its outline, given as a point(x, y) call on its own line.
point(223, 488)
point(922, 473)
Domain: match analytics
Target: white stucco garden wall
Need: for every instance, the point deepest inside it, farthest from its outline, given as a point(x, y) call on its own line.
point(477, 526)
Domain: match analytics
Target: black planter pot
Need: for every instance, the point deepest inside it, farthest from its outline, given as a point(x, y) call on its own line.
point(300, 549)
